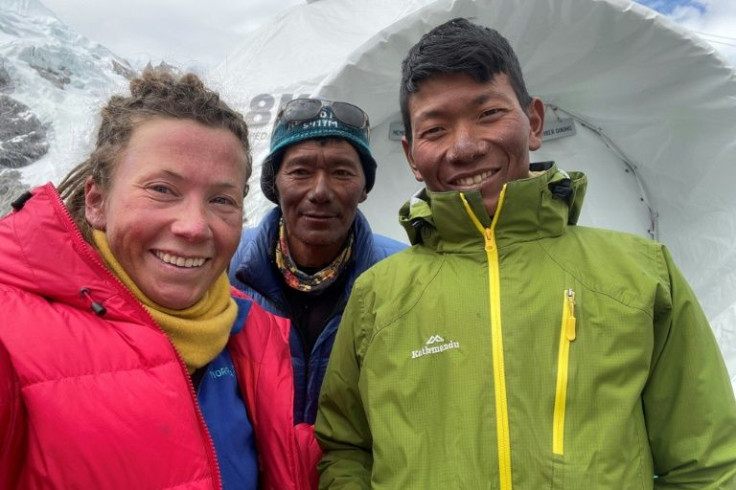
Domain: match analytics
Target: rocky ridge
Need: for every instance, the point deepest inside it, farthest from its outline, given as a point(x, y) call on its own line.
point(52, 82)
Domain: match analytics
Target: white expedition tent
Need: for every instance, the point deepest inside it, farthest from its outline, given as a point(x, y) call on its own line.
point(641, 105)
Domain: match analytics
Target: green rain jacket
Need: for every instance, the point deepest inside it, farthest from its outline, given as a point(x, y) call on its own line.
point(524, 352)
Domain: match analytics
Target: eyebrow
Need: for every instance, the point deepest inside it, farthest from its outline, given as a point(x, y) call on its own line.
point(177, 176)
point(477, 100)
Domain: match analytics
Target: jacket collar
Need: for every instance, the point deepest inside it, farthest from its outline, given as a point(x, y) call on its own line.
point(45, 254)
point(537, 207)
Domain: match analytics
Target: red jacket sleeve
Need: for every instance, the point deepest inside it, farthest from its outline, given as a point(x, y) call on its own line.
point(12, 424)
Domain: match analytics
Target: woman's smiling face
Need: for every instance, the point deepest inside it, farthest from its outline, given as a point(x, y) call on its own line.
point(173, 210)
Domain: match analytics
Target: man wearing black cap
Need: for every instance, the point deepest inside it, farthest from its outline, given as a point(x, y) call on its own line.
point(302, 260)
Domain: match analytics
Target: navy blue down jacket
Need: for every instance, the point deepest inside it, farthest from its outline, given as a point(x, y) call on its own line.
point(252, 270)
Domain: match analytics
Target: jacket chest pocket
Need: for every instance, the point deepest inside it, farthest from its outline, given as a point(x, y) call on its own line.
point(568, 333)
point(565, 351)
point(597, 437)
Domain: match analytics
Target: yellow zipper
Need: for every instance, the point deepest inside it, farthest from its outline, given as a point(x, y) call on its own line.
point(567, 335)
point(499, 371)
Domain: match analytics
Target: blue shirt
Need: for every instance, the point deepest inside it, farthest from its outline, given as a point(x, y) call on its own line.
point(226, 416)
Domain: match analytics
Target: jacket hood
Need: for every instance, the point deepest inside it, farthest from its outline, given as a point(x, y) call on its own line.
point(539, 206)
point(45, 254)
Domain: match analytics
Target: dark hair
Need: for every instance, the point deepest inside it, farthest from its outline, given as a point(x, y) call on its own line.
point(459, 46)
point(156, 93)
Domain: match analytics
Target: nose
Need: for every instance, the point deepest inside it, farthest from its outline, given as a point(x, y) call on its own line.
point(191, 222)
point(466, 146)
point(320, 190)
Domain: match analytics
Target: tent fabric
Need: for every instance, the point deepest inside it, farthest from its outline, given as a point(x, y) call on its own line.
point(654, 111)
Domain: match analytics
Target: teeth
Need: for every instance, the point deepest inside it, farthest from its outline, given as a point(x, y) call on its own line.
point(476, 179)
point(180, 261)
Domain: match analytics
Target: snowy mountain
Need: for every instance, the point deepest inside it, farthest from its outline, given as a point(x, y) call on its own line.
point(52, 83)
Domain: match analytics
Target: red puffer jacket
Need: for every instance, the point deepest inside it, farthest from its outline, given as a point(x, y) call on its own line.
point(102, 400)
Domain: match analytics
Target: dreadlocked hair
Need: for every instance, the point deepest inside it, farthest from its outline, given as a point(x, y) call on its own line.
point(156, 93)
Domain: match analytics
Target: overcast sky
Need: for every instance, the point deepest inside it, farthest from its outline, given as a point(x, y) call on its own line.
point(186, 33)
point(200, 34)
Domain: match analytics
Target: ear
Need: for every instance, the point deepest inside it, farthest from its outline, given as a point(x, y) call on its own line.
point(535, 113)
point(94, 205)
point(363, 196)
point(407, 147)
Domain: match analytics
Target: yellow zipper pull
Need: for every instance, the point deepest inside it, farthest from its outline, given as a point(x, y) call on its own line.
point(571, 322)
point(490, 242)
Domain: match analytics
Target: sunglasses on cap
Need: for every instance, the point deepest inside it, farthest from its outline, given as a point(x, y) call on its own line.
point(299, 110)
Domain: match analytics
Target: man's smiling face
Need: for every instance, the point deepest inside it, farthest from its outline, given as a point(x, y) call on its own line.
point(320, 184)
point(469, 135)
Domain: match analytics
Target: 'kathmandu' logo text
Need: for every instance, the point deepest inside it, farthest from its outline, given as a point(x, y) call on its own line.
point(434, 345)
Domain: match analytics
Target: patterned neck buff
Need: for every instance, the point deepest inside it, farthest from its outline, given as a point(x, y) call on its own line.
point(301, 281)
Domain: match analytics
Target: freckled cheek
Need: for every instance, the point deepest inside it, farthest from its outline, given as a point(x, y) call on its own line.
point(230, 249)
point(229, 238)
point(233, 224)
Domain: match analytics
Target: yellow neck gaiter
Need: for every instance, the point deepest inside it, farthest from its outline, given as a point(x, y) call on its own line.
point(199, 333)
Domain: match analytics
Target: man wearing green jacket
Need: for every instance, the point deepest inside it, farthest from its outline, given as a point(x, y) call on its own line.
point(510, 348)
